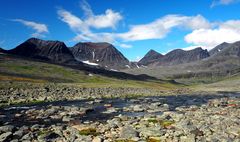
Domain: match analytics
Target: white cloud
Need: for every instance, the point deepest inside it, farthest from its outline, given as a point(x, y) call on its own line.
point(82, 27)
point(159, 28)
point(202, 32)
point(123, 45)
point(96, 37)
point(223, 2)
point(40, 29)
point(228, 31)
point(193, 47)
point(86, 8)
point(75, 23)
point(109, 19)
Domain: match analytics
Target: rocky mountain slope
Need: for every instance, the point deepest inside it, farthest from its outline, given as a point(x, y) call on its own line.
point(54, 51)
point(104, 54)
point(230, 50)
point(218, 48)
point(175, 57)
point(151, 57)
point(2, 50)
point(225, 63)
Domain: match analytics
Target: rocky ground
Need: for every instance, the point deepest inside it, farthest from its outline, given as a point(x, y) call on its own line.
point(184, 118)
point(29, 93)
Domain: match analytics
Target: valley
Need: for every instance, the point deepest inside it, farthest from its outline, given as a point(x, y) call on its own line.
point(86, 93)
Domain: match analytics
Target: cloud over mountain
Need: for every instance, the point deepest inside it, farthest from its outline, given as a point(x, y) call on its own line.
point(40, 29)
point(228, 31)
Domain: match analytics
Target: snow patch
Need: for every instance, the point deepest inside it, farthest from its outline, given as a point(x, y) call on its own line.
point(128, 66)
point(93, 55)
point(137, 66)
point(219, 50)
point(90, 63)
point(90, 74)
point(144, 66)
point(113, 70)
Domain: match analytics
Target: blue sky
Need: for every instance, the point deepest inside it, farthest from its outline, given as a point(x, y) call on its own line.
point(133, 26)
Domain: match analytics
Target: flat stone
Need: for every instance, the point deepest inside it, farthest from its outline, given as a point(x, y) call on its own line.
point(97, 139)
point(6, 128)
point(128, 132)
point(5, 136)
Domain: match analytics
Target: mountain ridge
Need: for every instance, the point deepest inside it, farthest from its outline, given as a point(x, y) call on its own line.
point(174, 57)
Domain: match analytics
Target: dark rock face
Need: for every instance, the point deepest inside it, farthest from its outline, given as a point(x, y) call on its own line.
point(104, 54)
point(218, 48)
point(55, 51)
point(231, 50)
point(151, 57)
point(2, 50)
point(174, 57)
point(179, 56)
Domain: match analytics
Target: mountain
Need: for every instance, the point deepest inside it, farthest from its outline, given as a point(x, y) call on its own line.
point(54, 51)
point(175, 57)
point(180, 56)
point(232, 49)
point(218, 48)
point(225, 63)
point(103, 53)
point(2, 50)
point(151, 57)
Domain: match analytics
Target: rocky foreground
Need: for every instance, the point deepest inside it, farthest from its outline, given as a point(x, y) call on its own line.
point(28, 93)
point(184, 118)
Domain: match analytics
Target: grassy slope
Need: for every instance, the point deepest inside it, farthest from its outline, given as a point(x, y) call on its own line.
point(19, 70)
point(206, 75)
point(231, 84)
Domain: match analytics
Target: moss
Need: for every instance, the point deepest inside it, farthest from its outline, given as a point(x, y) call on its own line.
point(43, 132)
point(89, 131)
point(153, 139)
point(166, 123)
point(152, 120)
point(163, 123)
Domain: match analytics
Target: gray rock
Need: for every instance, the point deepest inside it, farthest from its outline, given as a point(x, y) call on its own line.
point(5, 136)
point(18, 134)
point(138, 108)
point(152, 132)
point(128, 132)
point(97, 139)
point(6, 128)
point(67, 119)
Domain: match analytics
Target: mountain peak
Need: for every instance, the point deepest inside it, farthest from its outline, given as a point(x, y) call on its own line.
point(150, 57)
point(219, 48)
point(102, 53)
point(55, 51)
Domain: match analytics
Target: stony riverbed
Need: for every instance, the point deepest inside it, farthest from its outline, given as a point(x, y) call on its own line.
point(185, 118)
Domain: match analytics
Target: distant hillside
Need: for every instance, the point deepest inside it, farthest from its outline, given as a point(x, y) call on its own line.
point(224, 63)
point(175, 57)
point(18, 69)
